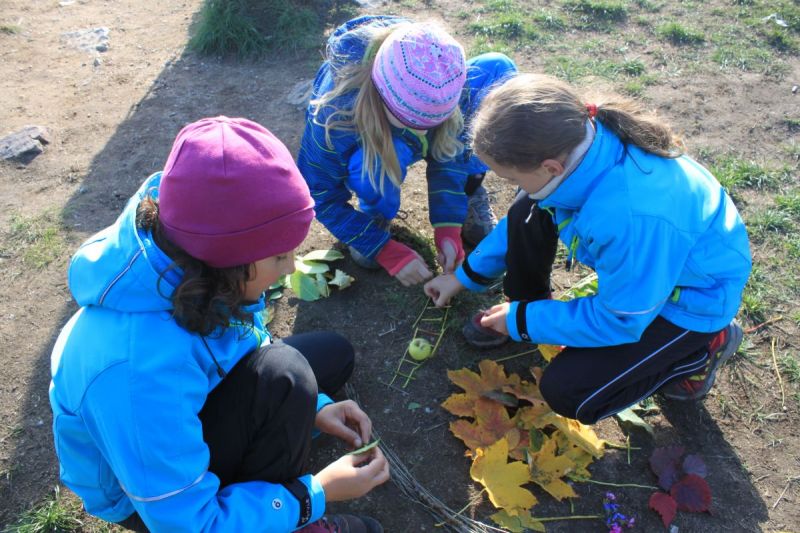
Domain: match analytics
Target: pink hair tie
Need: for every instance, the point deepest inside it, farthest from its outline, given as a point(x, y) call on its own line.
point(592, 109)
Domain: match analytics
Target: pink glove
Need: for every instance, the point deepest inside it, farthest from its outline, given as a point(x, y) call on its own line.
point(452, 234)
point(394, 256)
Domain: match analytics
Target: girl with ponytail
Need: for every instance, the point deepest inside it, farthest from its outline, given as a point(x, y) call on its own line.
point(671, 253)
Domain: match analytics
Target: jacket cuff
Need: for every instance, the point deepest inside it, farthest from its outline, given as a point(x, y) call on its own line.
point(471, 279)
point(442, 234)
point(517, 321)
point(394, 256)
point(317, 494)
point(323, 400)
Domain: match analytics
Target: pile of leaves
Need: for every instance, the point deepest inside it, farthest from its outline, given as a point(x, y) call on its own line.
point(313, 276)
point(505, 417)
point(684, 480)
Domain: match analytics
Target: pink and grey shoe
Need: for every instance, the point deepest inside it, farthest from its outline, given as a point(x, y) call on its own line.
point(720, 349)
point(343, 523)
point(482, 337)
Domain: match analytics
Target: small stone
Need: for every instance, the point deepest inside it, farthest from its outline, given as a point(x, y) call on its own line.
point(97, 62)
point(24, 145)
point(794, 89)
point(90, 40)
point(301, 93)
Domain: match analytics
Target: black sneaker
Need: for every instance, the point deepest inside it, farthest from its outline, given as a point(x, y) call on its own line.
point(482, 337)
point(344, 523)
point(720, 349)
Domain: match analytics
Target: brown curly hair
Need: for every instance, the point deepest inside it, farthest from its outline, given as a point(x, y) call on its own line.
point(207, 298)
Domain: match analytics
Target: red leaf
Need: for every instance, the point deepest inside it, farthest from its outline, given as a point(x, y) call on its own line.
point(693, 464)
point(663, 504)
point(692, 494)
point(665, 464)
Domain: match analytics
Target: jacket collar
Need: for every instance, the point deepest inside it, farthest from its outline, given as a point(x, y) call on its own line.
point(605, 152)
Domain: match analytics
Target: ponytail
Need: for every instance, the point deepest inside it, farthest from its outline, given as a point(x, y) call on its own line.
point(533, 117)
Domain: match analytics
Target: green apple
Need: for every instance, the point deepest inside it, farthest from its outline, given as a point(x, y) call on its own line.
point(420, 349)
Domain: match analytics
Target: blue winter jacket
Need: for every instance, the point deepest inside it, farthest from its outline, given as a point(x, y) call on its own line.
point(127, 385)
point(333, 173)
point(662, 234)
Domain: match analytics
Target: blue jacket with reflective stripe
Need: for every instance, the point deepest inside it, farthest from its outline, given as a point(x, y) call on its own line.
point(127, 386)
point(647, 225)
point(333, 172)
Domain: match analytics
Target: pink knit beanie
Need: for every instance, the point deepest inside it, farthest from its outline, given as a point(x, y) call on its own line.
point(419, 71)
point(231, 193)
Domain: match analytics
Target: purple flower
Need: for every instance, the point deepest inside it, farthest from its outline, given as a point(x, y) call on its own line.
point(615, 529)
point(610, 496)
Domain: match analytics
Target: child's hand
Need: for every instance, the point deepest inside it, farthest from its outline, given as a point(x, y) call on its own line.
point(450, 250)
point(495, 318)
point(414, 272)
point(352, 476)
point(346, 421)
point(442, 288)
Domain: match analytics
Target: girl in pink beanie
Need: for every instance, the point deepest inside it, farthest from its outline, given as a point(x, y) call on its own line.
point(391, 93)
point(174, 409)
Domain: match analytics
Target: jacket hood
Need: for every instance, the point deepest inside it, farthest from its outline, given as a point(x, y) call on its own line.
point(121, 268)
point(348, 43)
point(605, 151)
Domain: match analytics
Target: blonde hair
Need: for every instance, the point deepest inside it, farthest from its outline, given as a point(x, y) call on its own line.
point(368, 118)
point(534, 117)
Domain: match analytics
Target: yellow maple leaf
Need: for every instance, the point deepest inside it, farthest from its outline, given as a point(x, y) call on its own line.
point(518, 523)
point(492, 378)
point(502, 480)
point(579, 456)
point(549, 351)
point(583, 436)
point(547, 469)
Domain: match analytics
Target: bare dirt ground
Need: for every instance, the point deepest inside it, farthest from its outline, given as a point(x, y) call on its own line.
point(112, 117)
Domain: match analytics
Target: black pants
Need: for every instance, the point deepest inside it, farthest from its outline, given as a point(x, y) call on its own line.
point(589, 384)
point(258, 421)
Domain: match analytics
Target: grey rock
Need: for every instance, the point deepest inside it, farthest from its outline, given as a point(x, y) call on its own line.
point(24, 145)
point(301, 93)
point(89, 40)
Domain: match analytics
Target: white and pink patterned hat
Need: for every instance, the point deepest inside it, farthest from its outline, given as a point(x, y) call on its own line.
point(419, 72)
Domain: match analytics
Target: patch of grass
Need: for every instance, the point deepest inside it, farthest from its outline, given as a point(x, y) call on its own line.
point(769, 221)
point(734, 173)
point(37, 240)
point(789, 203)
point(508, 26)
point(250, 29)
point(780, 40)
point(482, 45)
point(549, 21)
point(10, 29)
point(792, 150)
point(754, 299)
point(792, 123)
point(678, 34)
point(790, 367)
point(573, 69)
point(742, 57)
point(56, 514)
point(599, 10)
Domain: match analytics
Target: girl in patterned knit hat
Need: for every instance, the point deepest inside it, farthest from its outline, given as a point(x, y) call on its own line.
point(390, 93)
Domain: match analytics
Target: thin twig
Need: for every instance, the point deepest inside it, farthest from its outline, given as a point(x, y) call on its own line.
point(606, 483)
point(759, 326)
point(778, 372)
point(382, 333)
point(789, 482)
point(398, 389)
point(509, 357)
point(572, 517)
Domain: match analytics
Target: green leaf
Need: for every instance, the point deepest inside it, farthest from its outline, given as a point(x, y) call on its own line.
point(341, 280)
point(517, 523)
point(537, 439)
point(413, 406)
point(365, 448)
point(322, 286)
point(629, 420)
point(305, 287)
point(311, 267)
point(322, 255)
